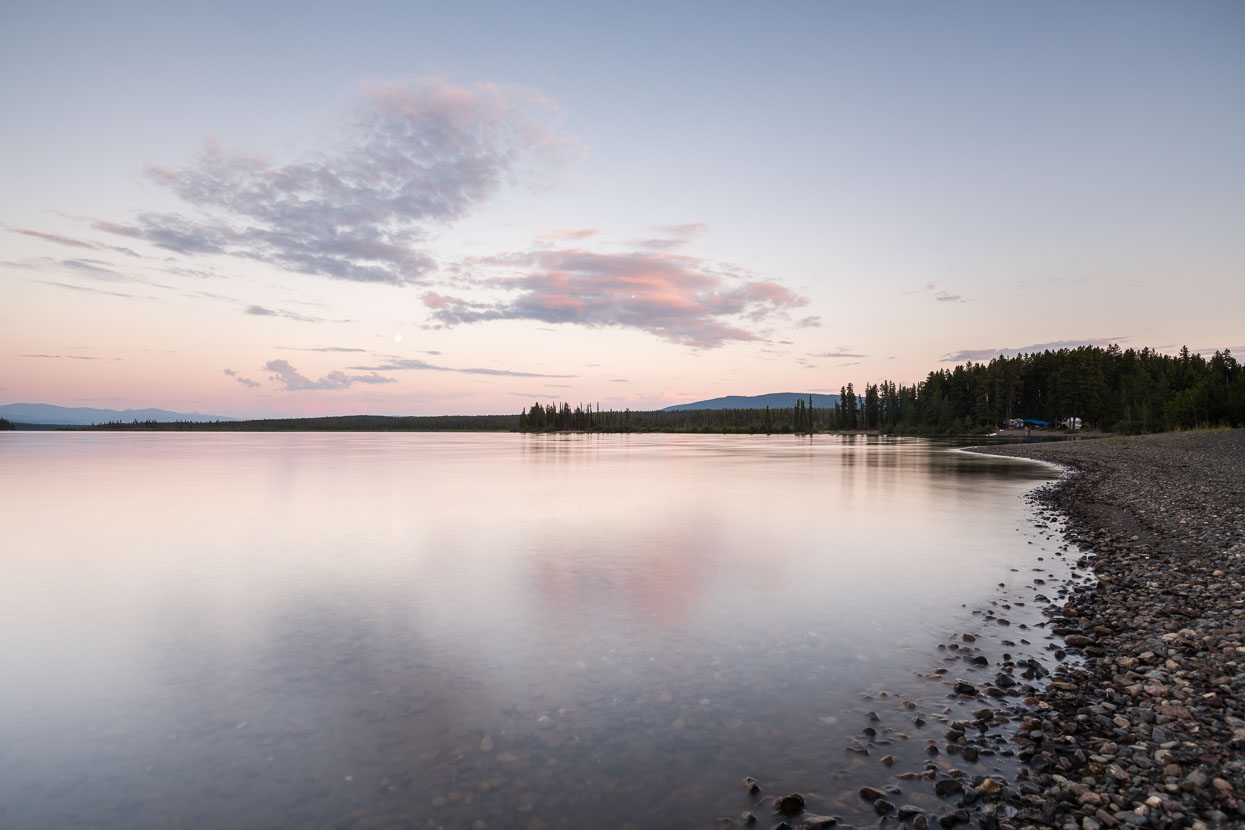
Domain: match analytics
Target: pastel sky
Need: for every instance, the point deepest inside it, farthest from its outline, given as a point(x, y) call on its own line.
point(325, 208)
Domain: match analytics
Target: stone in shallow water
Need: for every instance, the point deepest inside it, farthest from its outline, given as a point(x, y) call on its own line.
point(789, 804)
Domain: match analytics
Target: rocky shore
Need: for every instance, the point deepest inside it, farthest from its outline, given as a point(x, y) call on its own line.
point(1143, 723)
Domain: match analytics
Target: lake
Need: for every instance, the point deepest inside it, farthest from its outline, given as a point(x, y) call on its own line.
point(368, 631)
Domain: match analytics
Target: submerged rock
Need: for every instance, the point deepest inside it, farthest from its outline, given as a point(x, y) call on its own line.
point(790, 804)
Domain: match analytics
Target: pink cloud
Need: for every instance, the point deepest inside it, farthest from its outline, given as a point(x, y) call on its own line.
point(673, 296)
point(71, 241)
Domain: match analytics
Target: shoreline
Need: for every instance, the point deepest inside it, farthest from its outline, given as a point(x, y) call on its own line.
point(1142, 726)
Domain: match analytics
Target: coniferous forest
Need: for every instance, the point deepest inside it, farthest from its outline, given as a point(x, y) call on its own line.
point(1109, 389)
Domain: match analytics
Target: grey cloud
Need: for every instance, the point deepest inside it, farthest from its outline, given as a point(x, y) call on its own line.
point(939, 294)
point(839, 353)
point(420, 365)
point(261, 311)
point(292, 381)
point(317, 348)
point(61, 356)
point(96, 269)
point(247, 382)
point(1055, 345)
point(671, 237)
point(85, 288)
point(414, 157)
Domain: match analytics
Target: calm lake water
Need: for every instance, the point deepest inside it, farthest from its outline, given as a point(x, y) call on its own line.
point(369, 631)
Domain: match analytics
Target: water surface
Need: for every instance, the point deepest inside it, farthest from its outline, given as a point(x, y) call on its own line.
point(415, 630)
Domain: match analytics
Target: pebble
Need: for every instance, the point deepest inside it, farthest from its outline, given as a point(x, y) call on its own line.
point(1143, 725)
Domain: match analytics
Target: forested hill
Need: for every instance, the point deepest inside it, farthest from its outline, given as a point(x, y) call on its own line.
point(1111, 389)
point(774, 400)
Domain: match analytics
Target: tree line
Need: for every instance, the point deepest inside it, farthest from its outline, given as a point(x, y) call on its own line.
point(1112, 389)
point(342, 423)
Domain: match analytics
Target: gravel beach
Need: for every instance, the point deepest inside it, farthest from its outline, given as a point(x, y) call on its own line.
point(1143, 724)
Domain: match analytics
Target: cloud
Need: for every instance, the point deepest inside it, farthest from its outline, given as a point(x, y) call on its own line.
point(291, 381)
point(261, 311)
point(319, 349)
point(988, 354)
point(61, 356)
point(672, 296)
point(85, 288)
point(413, 157)
point(840, 353)
point(671, 237)
point(247, 382)
point(561, 234)
point(939, 294)
point(51, 237)
point(397, 364)
point(71, 241)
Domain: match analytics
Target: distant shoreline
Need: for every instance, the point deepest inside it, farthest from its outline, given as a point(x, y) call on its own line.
point(510, 424)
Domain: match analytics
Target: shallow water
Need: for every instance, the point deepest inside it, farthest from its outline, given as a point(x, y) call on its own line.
point(416, 630)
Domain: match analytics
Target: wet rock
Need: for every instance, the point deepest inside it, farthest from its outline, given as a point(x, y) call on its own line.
point(947, 787)
point(963, 687)
point(871, 793)
point(1136, 729)
point(751, 785)
point(789, 804)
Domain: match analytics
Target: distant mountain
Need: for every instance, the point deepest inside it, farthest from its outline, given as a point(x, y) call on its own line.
point(774, 400)
point(44, 413)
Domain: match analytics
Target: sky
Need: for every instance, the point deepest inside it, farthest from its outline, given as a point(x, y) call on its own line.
point(284, 209)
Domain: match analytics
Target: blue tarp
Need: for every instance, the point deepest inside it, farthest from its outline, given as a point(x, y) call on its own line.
point(1034, 422)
